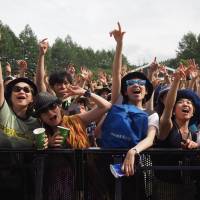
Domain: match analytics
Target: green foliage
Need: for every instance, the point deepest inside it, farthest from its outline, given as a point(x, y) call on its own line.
point(64, 51)
point(173, 63)
point(189, 47)
point(29, 47)
point(9, 45)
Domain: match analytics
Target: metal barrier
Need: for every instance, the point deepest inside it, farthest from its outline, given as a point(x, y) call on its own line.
point(162, 174)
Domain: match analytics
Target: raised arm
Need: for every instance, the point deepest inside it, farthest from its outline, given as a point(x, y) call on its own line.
point(153, 69)
point(85, 76)
point(192, 73)
point(40, 70)
point(96, 113)
point(23, 66)
point(8, 69)
point(165, 120)
point(1, 87)
point(117, 63)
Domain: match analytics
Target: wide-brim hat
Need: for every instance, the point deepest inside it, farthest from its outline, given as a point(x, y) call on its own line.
point(132, 75)
point(42, 101)
point(11, 84)
point(191, 95)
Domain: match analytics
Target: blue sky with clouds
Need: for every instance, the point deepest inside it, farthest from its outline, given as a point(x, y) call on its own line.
point(153, 27)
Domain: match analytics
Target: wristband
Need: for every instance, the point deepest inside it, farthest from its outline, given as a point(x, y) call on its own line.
point(136, 151)
point(87, 94)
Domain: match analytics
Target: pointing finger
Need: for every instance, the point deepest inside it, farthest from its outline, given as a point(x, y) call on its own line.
point(119, 26)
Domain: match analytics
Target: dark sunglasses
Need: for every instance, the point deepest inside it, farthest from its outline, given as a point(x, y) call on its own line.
point(18, 89)
point(135, 81)
point(52, 106)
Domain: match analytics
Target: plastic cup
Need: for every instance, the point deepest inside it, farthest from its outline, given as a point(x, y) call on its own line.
point(64, 132)
point(39, 137)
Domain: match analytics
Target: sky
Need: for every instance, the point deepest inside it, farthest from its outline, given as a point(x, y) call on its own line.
point(153, 27)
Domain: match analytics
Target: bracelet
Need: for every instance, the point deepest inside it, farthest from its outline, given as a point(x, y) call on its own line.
point(87, 94)
point(136, 151)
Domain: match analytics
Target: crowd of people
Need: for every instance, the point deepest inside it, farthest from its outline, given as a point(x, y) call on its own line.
point(76, 101)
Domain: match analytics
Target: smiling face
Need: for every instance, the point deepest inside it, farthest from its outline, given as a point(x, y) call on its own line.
point(184, 109)
point(21, 96)
point(136, 91)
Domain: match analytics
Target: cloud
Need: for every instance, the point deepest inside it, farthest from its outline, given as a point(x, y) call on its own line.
point(153, 27)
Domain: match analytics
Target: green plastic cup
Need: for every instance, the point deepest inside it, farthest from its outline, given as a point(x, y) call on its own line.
point(39, 137)
point(64, 132)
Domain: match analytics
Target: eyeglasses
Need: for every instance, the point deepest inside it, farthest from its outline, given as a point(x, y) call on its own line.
point(17, 88)
point(135, 81)
point(52, 106)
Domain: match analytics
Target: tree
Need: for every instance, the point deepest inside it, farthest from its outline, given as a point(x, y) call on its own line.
point(29, 47)
point(62, 52)
point(9, 45)
point(189, 47)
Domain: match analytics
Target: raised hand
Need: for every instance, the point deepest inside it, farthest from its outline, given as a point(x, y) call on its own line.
point(22, 65)
point(163, 70)
point(191, 70)
point(75, 90)
point(8, 69)
point(86, 74)
point(180, 72)
point(154, 66)
point(102, 77)
point(117, 33)
point(43, 46)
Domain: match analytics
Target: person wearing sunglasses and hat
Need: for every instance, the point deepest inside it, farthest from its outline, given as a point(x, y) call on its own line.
point(15, 106)
point(135, 89)
point(48, 108)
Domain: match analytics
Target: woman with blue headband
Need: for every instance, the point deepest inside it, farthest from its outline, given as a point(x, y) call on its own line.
point(136, 89)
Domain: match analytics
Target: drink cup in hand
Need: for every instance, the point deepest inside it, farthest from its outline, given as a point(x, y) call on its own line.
point(64, 132)
point(39, 137)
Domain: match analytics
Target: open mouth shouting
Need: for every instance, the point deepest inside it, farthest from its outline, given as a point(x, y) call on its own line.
point(185, 110)
point(136, 91)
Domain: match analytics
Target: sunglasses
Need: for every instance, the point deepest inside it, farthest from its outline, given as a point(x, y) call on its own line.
point(52, 106)
point(18, 89)
point(136, 81)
